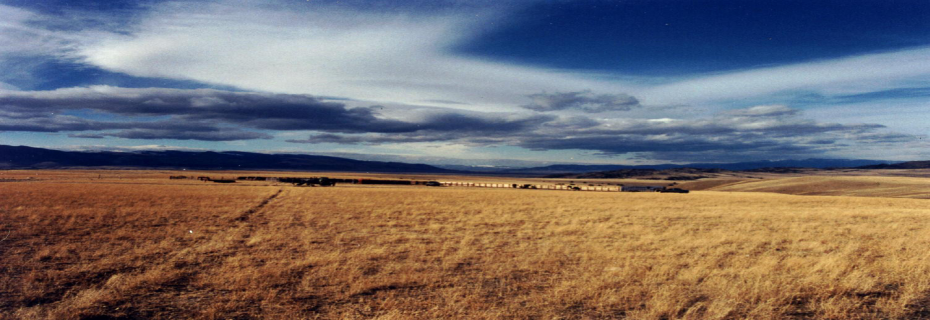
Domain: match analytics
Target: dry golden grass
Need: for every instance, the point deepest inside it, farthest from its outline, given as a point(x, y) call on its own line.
point(112, 248)
point(859, 186)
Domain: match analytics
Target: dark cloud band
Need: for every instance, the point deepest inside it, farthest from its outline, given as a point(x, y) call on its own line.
point(217, 115)
point(583, 100)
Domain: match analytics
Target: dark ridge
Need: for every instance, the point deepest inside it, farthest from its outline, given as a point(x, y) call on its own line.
point(781, 170)
point(680, 174)
point(736, 166)
point(902, 165)
point(23, 157)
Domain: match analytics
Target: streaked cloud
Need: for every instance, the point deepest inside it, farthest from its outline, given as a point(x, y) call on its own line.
point(217, 115)
point(407, 57)
point(584, 101)
point(750, 133)
point(213, 134)
point(844, 76)
point(390, 57)
point(7, 86)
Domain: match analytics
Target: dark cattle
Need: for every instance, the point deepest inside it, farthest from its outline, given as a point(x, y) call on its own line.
point(322, 181)
point(642, 188)
point(252, 178)
point(326, 182)
point(374, 181)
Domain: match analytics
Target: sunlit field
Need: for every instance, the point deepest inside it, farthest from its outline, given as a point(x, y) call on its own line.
point(860, 186)
point(134, 244)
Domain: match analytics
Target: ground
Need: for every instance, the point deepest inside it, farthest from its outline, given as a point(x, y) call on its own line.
point(134, 244)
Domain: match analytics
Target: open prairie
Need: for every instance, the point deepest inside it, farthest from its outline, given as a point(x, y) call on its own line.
point(134, 244)
point(860, 186)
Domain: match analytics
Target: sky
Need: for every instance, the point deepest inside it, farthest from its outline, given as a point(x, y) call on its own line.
point(472, 82)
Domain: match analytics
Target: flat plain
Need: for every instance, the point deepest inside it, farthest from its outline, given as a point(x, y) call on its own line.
point(134, 244)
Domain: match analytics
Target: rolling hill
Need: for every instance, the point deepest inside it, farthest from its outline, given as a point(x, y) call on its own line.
point(22, 157)
point(902, 165)
point(735, 166)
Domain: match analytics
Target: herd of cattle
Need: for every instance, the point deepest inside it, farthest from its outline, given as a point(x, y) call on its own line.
point(329, 182)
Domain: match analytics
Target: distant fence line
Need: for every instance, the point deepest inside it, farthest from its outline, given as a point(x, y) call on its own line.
point(324, 181)
point(532, 186)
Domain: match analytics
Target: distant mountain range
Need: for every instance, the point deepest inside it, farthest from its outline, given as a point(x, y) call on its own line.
point(738, 166)
point(902, 165)
point(36, 158)
point(22, 157)
point(694, 173)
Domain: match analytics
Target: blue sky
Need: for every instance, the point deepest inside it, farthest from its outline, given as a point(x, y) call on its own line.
point(472, 82)
point(676, 38)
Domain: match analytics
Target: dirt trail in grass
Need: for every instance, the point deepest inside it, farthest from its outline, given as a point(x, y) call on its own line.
point(246, 214)
point(173, 281)
point(209, 261)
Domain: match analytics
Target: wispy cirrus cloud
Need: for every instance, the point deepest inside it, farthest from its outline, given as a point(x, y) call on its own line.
point(401, 56)
point(7, 86)
point(409, 57)
point(844, 76)
point(391, 57)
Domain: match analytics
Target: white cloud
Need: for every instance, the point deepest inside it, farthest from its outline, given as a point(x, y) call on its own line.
point(406, 57)
point(149, 147)
point(909, 116)
point(27, 41)
point(864, 73)
point(378, 57)
point(13, 29)
point(21, 33)
point(8, 87)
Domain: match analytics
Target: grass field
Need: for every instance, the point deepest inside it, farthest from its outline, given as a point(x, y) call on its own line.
point(133, 244)
point(860, 186)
